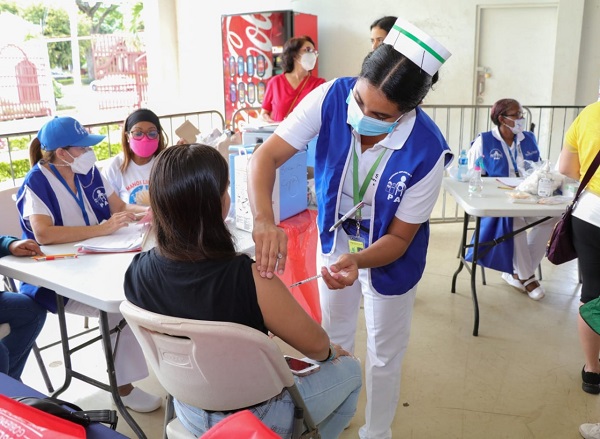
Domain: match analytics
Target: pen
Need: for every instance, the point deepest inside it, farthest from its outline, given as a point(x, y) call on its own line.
point(54, 257)
point(345, 217)
point(305, 280)
point(506, 187)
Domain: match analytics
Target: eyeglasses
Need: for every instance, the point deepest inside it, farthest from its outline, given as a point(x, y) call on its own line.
point(311, 50)
point(139, 135)
point(519, 115)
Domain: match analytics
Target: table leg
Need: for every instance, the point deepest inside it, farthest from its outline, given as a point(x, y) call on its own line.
point(461, 255)
point(64, 341)
point(112, 378)
point(474, 276)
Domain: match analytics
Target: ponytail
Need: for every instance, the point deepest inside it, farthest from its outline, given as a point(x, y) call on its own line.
point(36, 154)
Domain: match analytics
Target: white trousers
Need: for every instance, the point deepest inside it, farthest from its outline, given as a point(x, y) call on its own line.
point(530, 246)
point(388, 320)
point(130, 363)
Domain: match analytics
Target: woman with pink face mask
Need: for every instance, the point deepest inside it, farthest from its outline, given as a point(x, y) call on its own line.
point(504, 151)
point(142, 139)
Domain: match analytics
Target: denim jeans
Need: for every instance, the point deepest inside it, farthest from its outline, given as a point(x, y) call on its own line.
point(330, 394)
point(26, 319)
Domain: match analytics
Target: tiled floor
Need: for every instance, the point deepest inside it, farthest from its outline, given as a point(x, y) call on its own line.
point(519, 379)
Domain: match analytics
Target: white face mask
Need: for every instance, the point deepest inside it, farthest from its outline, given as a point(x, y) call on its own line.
point(308, 60)
point(83, 163)
point(519, 125)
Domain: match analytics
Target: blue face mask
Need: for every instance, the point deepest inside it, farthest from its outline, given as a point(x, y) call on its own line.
point(365, 125)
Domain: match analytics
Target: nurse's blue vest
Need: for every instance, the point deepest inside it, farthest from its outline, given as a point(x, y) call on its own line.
point(93, 188)
point(496, 164)
point(404, 168)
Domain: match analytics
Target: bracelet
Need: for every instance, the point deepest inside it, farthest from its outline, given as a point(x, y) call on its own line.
point(331, 355)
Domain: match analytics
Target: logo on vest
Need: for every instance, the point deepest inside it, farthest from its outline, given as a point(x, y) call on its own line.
point(100, 197)
point(396, 186)
point(529, 153)
point(496, 154)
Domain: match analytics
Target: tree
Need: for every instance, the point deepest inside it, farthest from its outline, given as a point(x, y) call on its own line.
point(102, 20)
point(54, 23)
point(9, 7)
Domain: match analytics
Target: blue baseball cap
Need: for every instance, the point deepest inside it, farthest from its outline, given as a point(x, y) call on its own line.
point(62, 132)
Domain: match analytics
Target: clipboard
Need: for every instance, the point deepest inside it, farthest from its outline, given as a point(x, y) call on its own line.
point(187, 131)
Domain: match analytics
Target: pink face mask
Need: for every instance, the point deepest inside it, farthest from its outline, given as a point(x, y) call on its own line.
point(144, 147)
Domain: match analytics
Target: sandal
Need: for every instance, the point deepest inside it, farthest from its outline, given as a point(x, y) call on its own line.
point(535, 293)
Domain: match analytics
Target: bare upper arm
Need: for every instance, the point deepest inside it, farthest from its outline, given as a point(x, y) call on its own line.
point(285, 318)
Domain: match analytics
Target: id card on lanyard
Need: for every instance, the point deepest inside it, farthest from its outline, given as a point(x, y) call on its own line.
point(358, 243)
point(77, 196)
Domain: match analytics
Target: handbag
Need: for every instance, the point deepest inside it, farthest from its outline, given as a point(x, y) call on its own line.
point(69, 411)
point(560, 247)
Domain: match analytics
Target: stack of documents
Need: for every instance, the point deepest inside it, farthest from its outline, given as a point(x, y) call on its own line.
point(126, 239)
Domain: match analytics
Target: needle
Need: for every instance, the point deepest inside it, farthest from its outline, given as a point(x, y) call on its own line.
point(305, 280)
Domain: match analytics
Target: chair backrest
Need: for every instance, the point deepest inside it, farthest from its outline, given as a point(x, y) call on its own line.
point(9, 217)
point(216, 366)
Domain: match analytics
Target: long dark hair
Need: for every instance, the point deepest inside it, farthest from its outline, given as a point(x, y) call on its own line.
point(401, 80)
point(386, 23)
point(186, 186)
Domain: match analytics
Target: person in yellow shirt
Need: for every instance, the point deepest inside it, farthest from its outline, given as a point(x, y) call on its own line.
point(582, 145)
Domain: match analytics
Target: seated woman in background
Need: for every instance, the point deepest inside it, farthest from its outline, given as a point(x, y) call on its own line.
point(25, 318)
point(63, 199)
point(195, 273)
point(379, 30)
point(286, 90)
point(143, 139)
point(504, 150)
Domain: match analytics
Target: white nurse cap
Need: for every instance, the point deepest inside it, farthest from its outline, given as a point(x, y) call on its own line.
point(417, 46)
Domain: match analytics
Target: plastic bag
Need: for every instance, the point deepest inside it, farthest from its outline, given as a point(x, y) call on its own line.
point(23, 421)
point(530, 184)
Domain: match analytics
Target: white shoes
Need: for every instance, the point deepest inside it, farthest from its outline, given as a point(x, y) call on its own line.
point(141, 402)
point(590, 431)
point(536, 294)
point(513, 282)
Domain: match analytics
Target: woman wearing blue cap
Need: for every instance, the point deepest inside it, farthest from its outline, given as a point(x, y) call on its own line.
point(64, 198)
point(378, 171)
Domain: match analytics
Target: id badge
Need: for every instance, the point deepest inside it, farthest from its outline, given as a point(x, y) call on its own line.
point(356, 244)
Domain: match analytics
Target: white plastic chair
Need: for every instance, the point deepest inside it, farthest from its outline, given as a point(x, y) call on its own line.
point(216, 366)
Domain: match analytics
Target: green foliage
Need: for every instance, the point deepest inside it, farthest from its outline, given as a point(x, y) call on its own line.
point(19, 143)
point(9, 7)
point(137, 23)
point(102, 150)
point(58, 91)
point(20, 168)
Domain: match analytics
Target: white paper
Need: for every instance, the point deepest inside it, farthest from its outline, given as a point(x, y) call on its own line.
point(510, 181)
point(125, 239)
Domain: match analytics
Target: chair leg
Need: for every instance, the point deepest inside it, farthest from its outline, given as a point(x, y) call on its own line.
point(169, 414)
point(42, 366)
point(483, 280)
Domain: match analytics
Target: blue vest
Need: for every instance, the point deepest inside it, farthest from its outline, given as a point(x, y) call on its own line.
point(402, 169)
point(496, 164)
point(495, 161)
point(93, 188)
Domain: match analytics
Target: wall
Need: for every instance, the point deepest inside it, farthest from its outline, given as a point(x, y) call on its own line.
point(195, 38)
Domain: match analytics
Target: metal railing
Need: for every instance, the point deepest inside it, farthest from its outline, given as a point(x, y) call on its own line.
point(14, 147)
point(460, 124)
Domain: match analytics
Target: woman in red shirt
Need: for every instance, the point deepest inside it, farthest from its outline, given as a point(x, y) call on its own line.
point(286, 90)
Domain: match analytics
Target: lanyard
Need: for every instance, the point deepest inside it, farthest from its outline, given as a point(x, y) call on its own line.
point(513, 159)
point(359, 194)
point(78, 196)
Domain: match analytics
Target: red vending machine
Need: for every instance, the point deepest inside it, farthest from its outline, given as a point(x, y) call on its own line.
point(252, 46)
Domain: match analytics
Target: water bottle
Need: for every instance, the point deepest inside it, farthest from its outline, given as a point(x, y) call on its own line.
point(463, 166)
point(476, 182)
point(545, 182)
